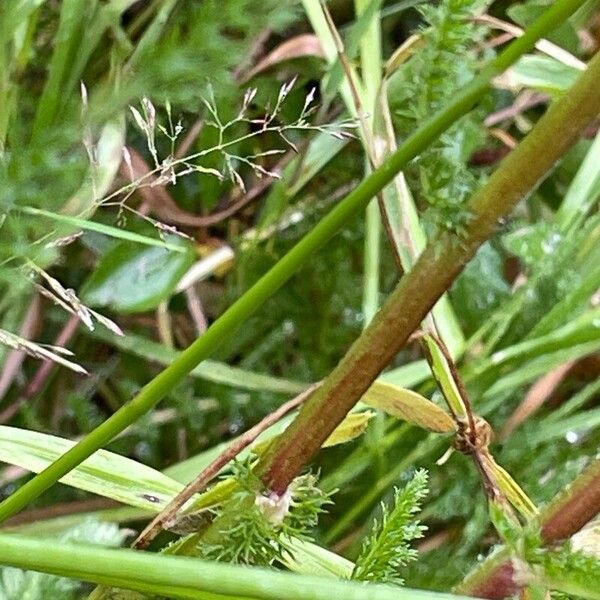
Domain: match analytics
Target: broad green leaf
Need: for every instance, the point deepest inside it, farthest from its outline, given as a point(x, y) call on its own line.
point(543, 73)
point(131, 278)
point(525, 13)
point(410, 406)
point(104, 473)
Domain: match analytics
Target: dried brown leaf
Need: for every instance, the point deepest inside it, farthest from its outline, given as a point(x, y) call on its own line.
point(297, 47)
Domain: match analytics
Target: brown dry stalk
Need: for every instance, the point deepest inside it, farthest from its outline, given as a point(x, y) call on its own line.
point(305, 44)
point(438, 266)
point(373, 156)
point(213, 469)
point(43, 372)
point(523, 102)
point(55, 511)
point(164, 206)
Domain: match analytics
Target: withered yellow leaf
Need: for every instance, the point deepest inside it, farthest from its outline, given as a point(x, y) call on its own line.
point(510, 488)
point(410, 406)
point(351, 427)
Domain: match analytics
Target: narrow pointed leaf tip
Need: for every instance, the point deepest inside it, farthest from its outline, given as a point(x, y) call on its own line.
point(351, 427)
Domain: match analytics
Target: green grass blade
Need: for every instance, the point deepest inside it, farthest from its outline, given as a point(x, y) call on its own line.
point(104, 473)
point(584, 190)
point(209, 370)
point(545, 432)
point(585, 328)
point(187, 577)
point(529, 371)
point(114, 232)
point(68, 39)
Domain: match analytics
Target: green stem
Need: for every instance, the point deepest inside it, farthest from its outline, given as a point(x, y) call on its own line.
point(437, 267)
point(371, 60)
point(371, 261)
point(269, 283)
point(183, 577)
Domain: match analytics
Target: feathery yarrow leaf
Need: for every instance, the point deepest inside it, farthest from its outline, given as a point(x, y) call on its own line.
point(255, 524)
point(387, 549)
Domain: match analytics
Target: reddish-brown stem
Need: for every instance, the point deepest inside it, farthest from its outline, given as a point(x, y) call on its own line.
point(56, 511)
point(564, 516)
point(213, 469)
point(438, 266)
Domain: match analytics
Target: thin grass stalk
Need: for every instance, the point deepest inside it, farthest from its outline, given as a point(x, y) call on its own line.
point(370, 60)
